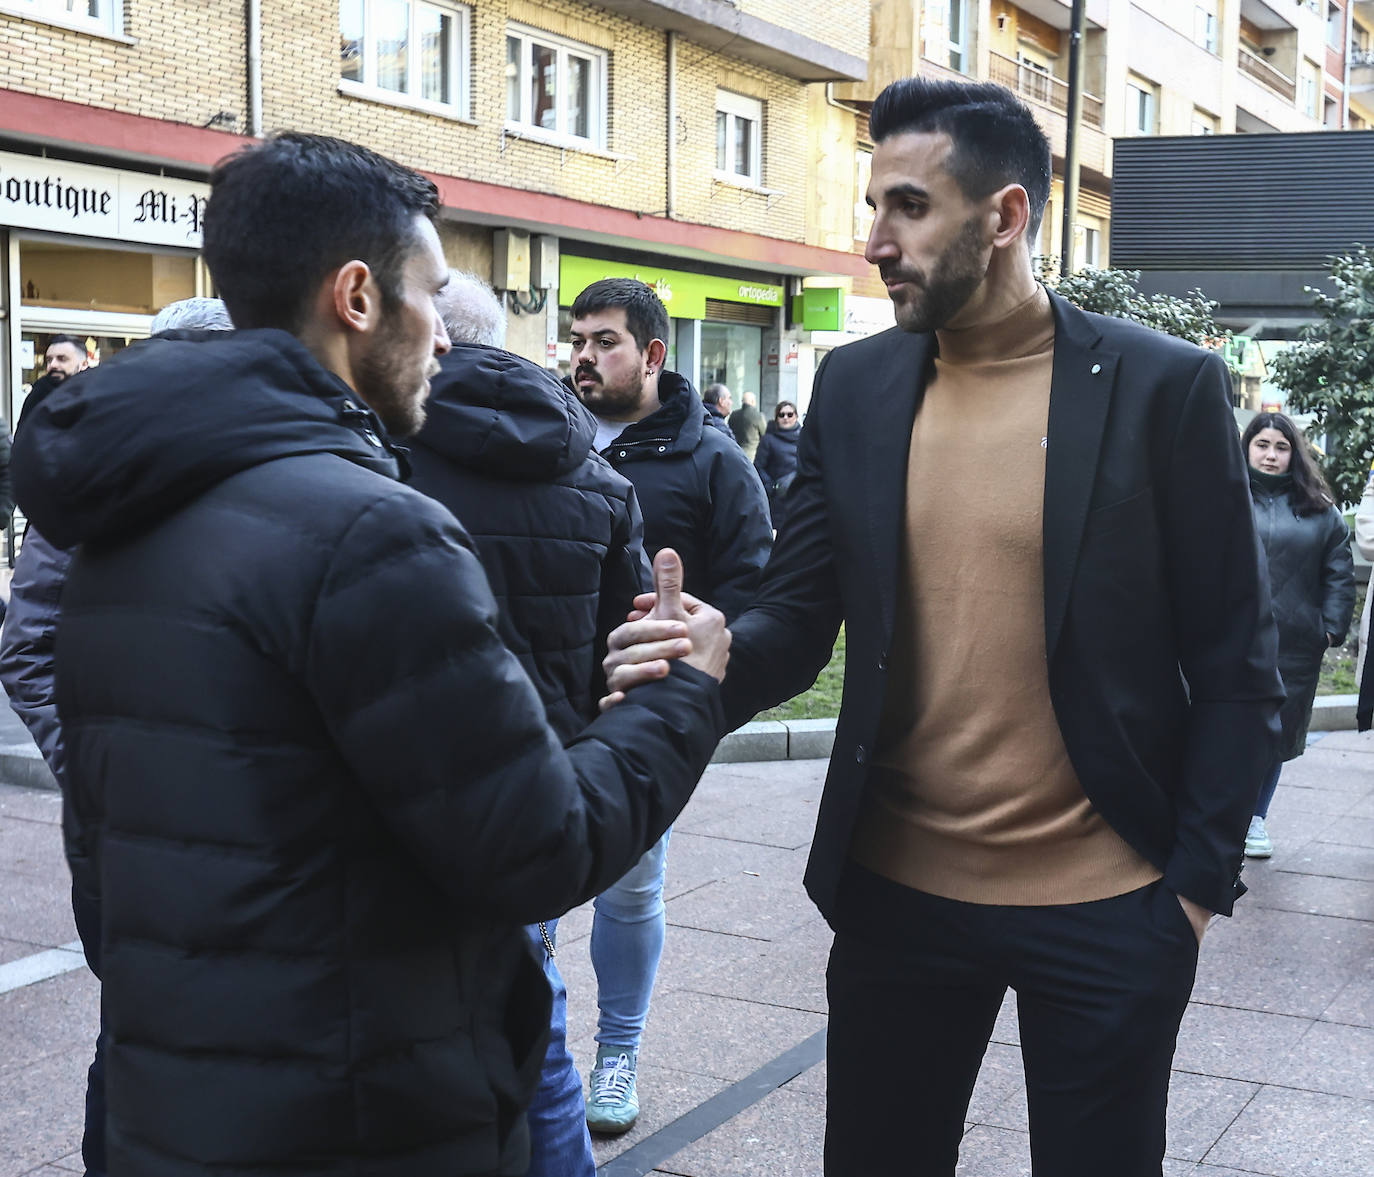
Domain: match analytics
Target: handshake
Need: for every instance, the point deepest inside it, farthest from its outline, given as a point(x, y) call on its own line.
point(665, 624)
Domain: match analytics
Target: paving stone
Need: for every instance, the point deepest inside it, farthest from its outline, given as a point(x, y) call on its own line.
point(1351, 831)
point(71, 1163)
point(1331, 1058)
point(32, 848)
point(994, 1152)
point(810, 739)
point(42, 1109)
point(53, 1015)
point(695, 860)
point(1280, 961)
point(1299, 1134)
point(35, 910)
point(1235, 1043)
point(1201, 1108)
point(31, 804)
point(789, 971)
point(811, 1081)
point(1318, 800)
point(783, 1135)
point(16, 949)
point(764, 740)
point(790, 827)
point(1354, 1005)
point(1001, 1081)
point(1350, 899)
point(1007, 1030)
point(760, 903)
point(1333, 860)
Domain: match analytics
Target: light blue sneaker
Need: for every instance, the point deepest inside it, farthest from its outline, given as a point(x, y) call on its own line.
point(613, 1106)
point(1257, 841)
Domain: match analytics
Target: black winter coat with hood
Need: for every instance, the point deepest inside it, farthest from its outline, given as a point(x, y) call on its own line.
point(700, 496)
point(508, 449)
point(318, 794)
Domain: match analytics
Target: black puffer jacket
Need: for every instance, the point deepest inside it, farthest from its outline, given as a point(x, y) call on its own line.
point(699, 494)
point(508, 449)
point(320, 796)
point(1312, 585)
point(776, 462)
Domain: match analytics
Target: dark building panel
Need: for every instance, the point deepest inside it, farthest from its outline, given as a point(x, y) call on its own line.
point(1281, 202)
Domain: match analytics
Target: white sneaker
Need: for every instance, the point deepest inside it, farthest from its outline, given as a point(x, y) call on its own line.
point(1257, 843)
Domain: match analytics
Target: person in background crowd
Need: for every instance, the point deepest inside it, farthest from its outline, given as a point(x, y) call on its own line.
point(776, 460)
point(716, 398)
point(64, 358)
point(27, 672)
point(1060, 692)
point(701, 498)
point(318, 798)
point(1311, 582)
point(1364, 540)
point(747, 424)
point(507, 447)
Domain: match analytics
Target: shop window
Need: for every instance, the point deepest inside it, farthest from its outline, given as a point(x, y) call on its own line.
point(555, 87)
point(739, 137)
point(405, 49)
point(58, 275)
point(96, 16)
point(1140, 108)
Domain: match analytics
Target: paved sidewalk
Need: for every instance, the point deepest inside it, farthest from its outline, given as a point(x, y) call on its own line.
point(1275, 1070)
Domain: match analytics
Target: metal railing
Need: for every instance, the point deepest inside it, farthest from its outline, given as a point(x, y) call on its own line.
point(1362, 57)
point(1267, 75)
point(1041, 87)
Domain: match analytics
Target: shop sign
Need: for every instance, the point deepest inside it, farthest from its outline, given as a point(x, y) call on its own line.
point(819, 308)
point(89, 201)
point(682, 293)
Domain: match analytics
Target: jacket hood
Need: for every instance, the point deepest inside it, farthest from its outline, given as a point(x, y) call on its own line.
point(675, 427)
point(502, 415)
point(117, 447)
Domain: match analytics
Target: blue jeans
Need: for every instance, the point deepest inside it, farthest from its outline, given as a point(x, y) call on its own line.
point(1267, 790)
point(559, 1143)
point(627, 941)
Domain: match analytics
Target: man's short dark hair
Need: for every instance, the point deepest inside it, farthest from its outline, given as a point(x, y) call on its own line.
point(713, 393)
point(645, 315)
point(996, 140)
point(284, 213)
point(79, 344)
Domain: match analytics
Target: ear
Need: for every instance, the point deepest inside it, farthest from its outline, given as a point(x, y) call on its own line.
point(1010, 216)
point(354, 296)
point(656, 355)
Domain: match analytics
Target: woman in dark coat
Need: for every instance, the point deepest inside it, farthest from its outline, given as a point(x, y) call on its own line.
point(776, 459)
point(1311, 581)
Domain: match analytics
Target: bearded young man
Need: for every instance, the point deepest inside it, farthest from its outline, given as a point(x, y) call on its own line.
point(1060, 691)
point(314, 794)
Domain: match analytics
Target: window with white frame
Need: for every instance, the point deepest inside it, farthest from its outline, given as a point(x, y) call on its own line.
point(1309, 89)
point(1335, 26)
point(96, 16)
point(958, 35)
point(1204, 123)
point(1205, 25)
point(1088, 242)
point(739, 137)
point(1140, 107)
point(414, 50)
point(555, 87)
point(863, 173)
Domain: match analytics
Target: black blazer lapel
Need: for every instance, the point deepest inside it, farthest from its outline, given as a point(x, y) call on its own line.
point(885, 427)
point(1081, 386)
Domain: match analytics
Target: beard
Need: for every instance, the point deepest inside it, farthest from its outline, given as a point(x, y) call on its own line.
point(609, 400)
point(933, 301)
point(396, 387)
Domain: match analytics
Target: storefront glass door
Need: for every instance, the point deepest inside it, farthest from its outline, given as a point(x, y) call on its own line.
point(732, 354)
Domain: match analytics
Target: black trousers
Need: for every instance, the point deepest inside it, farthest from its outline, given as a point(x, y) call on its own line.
point(915, 983)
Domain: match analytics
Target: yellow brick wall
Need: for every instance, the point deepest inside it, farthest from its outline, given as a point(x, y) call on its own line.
point(700, 197)
point(840, 23)
point(186, 63)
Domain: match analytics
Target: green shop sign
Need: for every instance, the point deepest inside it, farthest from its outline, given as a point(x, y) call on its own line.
point(683, 294)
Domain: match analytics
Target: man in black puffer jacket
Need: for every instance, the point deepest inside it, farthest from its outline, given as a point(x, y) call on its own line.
point(700, 496)
point(507, 447)
point(319, 796)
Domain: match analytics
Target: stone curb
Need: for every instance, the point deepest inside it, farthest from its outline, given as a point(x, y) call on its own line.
point(795, 739)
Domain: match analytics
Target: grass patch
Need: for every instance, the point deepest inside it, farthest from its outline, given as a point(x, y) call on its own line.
point(822, 701)
point(1338, 664)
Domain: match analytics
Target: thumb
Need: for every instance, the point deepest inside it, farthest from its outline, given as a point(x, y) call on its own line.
point(668, 585)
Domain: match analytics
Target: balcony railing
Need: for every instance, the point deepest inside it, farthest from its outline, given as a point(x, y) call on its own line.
point(1361, 57)
point(1042, 87)
point(1266, 75)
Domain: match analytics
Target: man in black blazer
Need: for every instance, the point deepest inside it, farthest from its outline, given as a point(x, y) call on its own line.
point(1060, 693)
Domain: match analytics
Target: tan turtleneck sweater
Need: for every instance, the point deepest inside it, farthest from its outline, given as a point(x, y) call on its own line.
point(972, 795)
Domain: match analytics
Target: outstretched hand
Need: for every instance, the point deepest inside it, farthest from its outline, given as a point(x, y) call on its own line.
point(666, 624)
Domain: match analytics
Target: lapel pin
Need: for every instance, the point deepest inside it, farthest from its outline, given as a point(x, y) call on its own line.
point(1096, 369)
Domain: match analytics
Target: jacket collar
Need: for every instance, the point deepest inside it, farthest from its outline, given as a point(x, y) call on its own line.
point(674, 427)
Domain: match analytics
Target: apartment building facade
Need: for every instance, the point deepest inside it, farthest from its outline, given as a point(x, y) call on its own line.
point(682, 141)
point(1151, 67)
